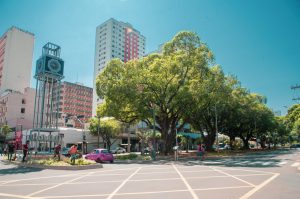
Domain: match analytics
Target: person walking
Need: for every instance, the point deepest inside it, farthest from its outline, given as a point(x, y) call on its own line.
point(200, 151)
point(11, 150)
point(57, 151)
point(73, 152)
point(25, 150)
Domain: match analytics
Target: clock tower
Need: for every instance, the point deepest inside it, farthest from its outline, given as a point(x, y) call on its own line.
point(48, 74)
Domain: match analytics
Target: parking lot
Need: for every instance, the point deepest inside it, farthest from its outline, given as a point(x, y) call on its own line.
point(124, 181)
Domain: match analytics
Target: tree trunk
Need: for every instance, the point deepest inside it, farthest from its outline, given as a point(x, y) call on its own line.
point(232, 140)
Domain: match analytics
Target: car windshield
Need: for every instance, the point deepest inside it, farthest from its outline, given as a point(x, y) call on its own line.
point(104, 151)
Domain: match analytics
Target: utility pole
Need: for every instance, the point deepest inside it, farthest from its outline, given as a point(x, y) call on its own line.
point(98, 132)
point(216, 123)
point(295, 88)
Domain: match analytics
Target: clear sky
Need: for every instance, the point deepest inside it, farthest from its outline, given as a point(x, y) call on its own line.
point(257, 40)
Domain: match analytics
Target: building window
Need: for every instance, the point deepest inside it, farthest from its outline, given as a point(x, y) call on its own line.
point(22, 110)
point(23, 101)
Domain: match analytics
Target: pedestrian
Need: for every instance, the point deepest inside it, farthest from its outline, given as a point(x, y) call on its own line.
point(25, 150)
point(5, 150)
point(11, 150)
point(57, 151)
point(200, 151)
point(73, 152)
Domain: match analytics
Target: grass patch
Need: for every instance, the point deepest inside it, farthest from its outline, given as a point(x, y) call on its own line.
point(65, 162)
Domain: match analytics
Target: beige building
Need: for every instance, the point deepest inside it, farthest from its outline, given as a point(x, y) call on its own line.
point(16, 108)
point(16, 52)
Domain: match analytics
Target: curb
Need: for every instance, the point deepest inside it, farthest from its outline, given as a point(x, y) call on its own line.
point(38, 166)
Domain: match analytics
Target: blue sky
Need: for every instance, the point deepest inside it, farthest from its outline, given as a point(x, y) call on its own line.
point(257, 40)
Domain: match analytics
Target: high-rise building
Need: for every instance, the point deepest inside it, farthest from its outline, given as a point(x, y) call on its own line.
point(16, 51)
point(75, 100)
point(115, 39)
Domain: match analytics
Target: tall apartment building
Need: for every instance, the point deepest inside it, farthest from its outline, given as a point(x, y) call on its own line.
point(115, 39)
point(75, 100)
point(16, 52)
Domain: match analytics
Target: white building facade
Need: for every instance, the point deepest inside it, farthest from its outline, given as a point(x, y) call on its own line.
point(16, 52)
point(115, 39)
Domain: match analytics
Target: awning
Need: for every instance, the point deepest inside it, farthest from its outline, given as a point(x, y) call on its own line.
point(190, 135)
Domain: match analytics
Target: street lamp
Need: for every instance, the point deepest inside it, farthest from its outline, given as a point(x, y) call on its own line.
point(153, 144)
point(216, 121)
point(82, 126)
point(98, 131)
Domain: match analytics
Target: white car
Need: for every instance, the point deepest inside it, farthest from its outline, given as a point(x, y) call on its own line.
point(118, 150)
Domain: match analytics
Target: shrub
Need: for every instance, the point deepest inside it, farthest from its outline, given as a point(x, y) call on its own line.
point(131, 156)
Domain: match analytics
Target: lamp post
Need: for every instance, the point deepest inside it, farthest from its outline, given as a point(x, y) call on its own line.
point(98, 131)
point(153, 144)
point(216, 123)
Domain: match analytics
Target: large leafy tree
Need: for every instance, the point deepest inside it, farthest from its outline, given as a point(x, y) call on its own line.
point(158, 85)
point(109, 130)
point(292, 121)
point(210, 107)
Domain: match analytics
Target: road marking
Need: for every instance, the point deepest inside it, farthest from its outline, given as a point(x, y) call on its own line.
point(123, 183)
point(40, 191)
point(148, 192)
point(295, 164)
point(24, 179)
point(234, 177)
point(256, 188)
point(16, 196)
point(61, 176)
point(186, 183)
point(255, 171)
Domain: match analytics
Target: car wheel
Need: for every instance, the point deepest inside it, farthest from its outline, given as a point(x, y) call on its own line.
point(99, 160)
point(123, 151)
point(111, 161)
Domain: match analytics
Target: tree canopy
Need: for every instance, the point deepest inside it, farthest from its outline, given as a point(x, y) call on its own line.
point(179, 86)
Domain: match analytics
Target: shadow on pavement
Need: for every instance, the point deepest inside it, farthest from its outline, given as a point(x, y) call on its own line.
point(17, 170)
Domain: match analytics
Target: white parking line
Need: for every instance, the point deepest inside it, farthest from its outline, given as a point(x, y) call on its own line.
point(42, 190)
point(234, 177)
point(123, 183)
point(16, 196)
point(186, 183)
point(250, 193)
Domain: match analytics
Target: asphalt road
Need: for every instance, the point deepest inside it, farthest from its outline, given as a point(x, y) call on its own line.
point(269, 175)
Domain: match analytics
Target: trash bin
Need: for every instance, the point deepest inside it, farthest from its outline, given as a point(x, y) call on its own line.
point(176, 148)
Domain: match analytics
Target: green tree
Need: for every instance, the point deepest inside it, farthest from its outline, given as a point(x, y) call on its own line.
point(110, 129)
point(5, 130)
point(159, 85)
point(292, 121)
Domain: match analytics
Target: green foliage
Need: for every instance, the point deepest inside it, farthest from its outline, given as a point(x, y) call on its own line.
point(65, 162)
point(5, 129)
point(109, 129)
point(131, 156)
point(182, 85)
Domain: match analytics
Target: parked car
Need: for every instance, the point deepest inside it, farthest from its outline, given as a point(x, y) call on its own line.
point(146, 150)
point(118, 150)
point(100, 155)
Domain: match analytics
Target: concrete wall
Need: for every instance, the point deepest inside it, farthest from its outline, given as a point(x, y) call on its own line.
point(17, 60)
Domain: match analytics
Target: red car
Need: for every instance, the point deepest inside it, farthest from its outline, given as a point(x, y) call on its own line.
point(100, 155)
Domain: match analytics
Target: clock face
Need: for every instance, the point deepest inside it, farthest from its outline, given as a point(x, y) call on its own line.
point(54, 65)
